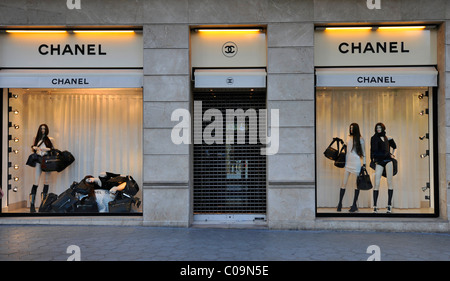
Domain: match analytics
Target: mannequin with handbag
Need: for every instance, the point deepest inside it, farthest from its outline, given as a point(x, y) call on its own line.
point(383, 162)
point(41, 146)
point(356, 151)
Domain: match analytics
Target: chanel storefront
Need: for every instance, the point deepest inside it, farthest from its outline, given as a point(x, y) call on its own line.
point(222, 112)
point(377, 76)
point(84, 87)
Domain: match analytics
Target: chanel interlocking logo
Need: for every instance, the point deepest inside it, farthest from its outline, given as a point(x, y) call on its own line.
point(229, 49)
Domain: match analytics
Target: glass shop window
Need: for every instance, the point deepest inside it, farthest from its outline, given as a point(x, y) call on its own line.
point(75, 151)
point(390, 130)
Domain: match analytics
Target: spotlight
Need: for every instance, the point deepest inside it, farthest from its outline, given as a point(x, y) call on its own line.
point(424, 136)
point(16, 178)
point(16, 126)
point(11, 95)
point(15, 151)
point(427, 186)
point(427, 153)
point(421, 96)
point(424, 112)
point(15, 189)
point(16, 139)
point(16, 167)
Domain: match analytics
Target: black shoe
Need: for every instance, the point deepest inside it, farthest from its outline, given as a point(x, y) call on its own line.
point(32, 199)
point(339, 207)
point(389, 209)
point(43, 198)
point(353, 209)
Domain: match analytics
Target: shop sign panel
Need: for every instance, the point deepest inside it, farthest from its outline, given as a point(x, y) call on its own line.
point(375, 47)
point(64, 49)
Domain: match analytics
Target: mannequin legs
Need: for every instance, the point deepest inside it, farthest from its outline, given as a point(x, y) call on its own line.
point(342, 193)
point(37, 176)
point(389, 175)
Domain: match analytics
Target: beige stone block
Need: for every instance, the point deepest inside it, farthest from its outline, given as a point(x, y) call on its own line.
point(159, 141)
point(164, 168)
point(166, 36)
point(291, 60)
point(290, 34)
point(296, 140)
point(158, 114)
point(166, 88)
point(294, 113)
point(290, 87)
point(166, 207)
point(165, 11)
point(290, 205)
point(291, 167)
point(166, 61)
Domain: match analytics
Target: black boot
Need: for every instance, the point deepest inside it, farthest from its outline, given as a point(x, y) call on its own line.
point(341, 196)
point(354, 208)
point(43, 198)
point(32, 199)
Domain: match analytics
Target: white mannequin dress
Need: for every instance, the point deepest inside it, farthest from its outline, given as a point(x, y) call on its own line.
point(352, 160)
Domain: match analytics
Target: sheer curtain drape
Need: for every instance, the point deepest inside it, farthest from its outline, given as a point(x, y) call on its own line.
point(399, 110)
point(102, 128)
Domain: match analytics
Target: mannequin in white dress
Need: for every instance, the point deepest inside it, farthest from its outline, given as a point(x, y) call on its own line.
point(355, 151)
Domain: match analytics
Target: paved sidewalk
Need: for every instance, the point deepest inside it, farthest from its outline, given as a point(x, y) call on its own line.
point(137, 243)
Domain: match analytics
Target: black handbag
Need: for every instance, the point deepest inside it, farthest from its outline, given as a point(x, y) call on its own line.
point(55, 160)
point(131, 188)
point(46, 206)
point(83, 187)
point(363, 180)
point(87, 204)
point(340, 161)
point(331, 152)
point(123, 203)
point(65, 203)
point(33, 159)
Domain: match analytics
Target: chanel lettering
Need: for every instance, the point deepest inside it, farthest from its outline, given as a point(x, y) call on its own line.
point(375, 48)
point(72, 50)
point(375, 79)
point(70, 81)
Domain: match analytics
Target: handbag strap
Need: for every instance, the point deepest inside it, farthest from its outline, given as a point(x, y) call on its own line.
point(337, 140)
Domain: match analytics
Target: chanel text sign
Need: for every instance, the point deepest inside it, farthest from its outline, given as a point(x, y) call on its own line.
point(374, 47)
point(86, 50)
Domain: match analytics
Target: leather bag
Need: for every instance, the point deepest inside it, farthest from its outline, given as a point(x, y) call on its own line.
point(331, 152)
point(363, 181)
point(340, 161)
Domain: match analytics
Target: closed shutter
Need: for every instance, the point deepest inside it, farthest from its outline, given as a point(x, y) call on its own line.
point(230, 178)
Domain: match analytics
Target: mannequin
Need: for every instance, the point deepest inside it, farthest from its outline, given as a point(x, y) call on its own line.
point(41, 146)
point(356, 151)
point(380, 154)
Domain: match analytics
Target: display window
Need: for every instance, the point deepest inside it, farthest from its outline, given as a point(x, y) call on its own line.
point(73, 151)
point(387, 132)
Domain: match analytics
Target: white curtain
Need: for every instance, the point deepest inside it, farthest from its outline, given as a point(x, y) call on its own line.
point(398, 109)
point(102, 128)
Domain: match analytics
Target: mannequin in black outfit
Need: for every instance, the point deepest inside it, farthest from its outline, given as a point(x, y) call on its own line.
point(42, 144)
point(380, 154)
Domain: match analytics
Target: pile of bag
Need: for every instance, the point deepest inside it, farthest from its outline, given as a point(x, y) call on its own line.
point(86, 197)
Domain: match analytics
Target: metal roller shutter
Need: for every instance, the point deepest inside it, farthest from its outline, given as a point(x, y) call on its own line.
point(230, 178)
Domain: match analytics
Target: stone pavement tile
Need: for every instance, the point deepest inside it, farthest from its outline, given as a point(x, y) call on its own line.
point(187, 244)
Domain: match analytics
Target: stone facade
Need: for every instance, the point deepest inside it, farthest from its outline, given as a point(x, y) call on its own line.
point(167, 196)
